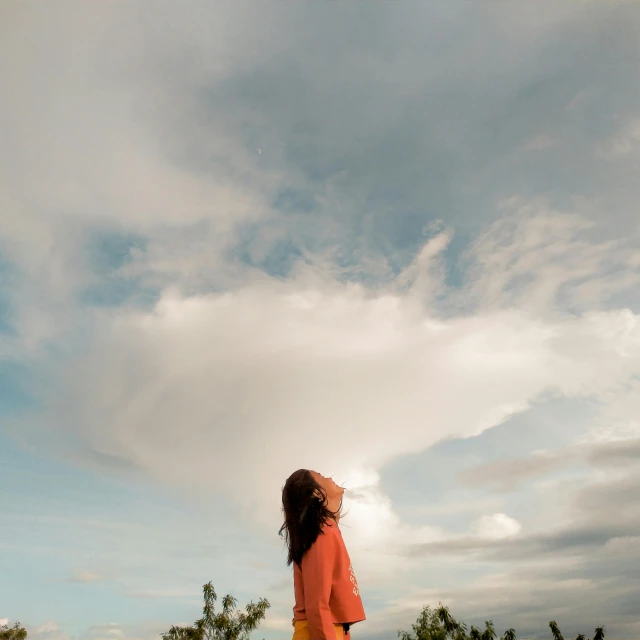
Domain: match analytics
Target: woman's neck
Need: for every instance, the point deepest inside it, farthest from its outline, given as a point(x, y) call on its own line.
point(334, 506)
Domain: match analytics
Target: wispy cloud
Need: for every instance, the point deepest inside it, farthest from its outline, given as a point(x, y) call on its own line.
point(84, 575)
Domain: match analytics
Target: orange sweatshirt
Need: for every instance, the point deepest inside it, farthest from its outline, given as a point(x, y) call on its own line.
point(326, 588)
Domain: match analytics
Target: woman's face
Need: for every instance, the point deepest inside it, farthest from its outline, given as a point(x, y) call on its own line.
point(331, 488)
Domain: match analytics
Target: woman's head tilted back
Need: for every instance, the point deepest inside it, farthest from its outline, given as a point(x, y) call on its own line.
point(308, 501)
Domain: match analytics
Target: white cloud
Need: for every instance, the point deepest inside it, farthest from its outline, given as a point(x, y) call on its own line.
point(277, 623)
point(496, 526)
point(372, 525)
point(214, 392)
point(618, 419)
point(48, 627)
point(50, 630)
point(627, 546)
point(542, 260)
point(4, 621)
point(625, 142)
point(540, 142)
point(85, 575)
point(118, 631)
point(94, 160)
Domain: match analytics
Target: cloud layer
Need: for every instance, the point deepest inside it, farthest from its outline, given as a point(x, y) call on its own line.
point(239, 241)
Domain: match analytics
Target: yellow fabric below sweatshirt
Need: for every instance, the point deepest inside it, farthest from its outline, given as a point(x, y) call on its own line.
point(301, 631)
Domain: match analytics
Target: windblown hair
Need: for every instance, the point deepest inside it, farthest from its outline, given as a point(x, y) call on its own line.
point(304, 513)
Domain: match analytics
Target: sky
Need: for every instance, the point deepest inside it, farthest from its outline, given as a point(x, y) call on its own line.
point(395, 242)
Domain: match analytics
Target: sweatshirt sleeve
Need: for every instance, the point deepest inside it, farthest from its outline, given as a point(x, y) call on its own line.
point(317, 575)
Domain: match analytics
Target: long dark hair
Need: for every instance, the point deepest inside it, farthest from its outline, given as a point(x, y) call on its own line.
point(304, 513)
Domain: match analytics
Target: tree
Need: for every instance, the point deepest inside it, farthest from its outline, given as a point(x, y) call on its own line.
point(599, 635)
point(457, 630)
point(429, 625)
point(13, 633)
point(439, 624)
point(553, 625)
point(460, 632)
point(489, 633)
point(446, 618)
point(221, 626)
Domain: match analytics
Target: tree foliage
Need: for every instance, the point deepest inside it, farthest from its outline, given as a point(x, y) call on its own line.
point(226, 625)
point(13, 633)
point(553, 625)
point(489, 631)
point(432, 624)
point(439, 624)
point(557, 635)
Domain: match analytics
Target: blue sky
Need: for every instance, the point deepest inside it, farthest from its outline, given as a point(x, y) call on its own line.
point(394, 242)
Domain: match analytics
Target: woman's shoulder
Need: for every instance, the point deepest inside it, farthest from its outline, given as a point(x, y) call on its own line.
point(330, 527)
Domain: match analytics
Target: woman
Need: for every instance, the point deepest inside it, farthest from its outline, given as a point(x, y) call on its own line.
point(326, 590)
